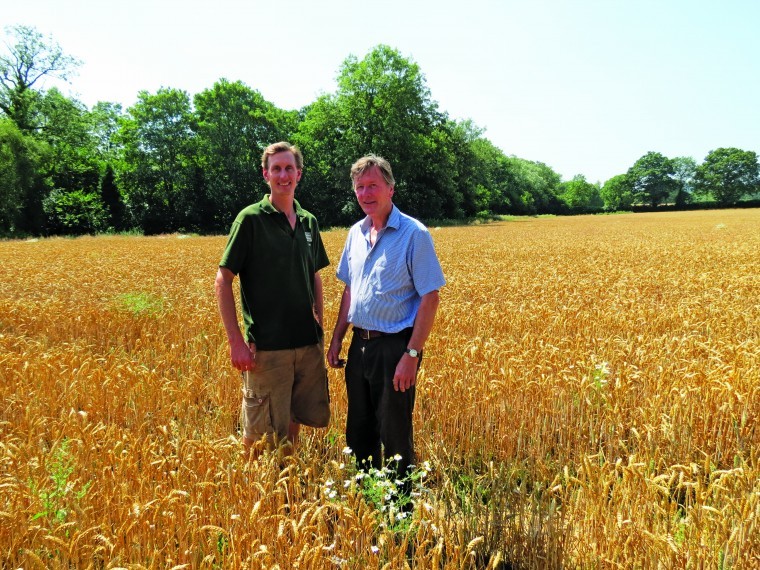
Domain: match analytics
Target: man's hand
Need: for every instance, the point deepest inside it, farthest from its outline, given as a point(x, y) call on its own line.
point(406, 373)
point(333, 353)
point(243, 356)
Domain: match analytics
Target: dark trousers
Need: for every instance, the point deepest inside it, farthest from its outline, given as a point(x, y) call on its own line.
point(377, 414)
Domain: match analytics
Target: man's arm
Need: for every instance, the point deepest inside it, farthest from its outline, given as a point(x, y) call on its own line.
point(341, 327)
point(406, 370)
point(241, 355)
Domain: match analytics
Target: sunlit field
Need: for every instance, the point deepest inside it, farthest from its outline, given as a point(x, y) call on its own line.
point(589, 398)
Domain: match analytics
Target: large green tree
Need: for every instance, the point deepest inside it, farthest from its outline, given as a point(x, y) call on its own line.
point(652, 178)
point(727, 174)
point(24, 184)
point(30, 58)
point(537, 185)
point(684, 170)
point(11, 188)
point(617, 193)
point(580, 195)
point(495, 180)
point(157, 172)
point(471, 197)
point(383, 106)
point(104, 126)
point(325, 186)
point(234, 124)
point(65, 125)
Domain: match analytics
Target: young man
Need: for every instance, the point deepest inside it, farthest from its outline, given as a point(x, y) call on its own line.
point(392, 278)
point(276, 249)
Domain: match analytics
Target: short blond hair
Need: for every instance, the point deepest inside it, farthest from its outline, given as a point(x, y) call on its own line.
point(366, 162)
point(281, 146)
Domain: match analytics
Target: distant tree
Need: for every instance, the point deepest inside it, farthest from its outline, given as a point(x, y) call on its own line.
point(617, 193)
point(495, 180)
point(469, 198)
point(652, 178)
point(234, 124)
point(29, 59)
point(104, 127)
point(157, 172)
point(65, 125)
point(538, 186)
point(22, 184)
point(14, 167)
point(325, 187)
point(727, 174)
point(684, 170)
point(74, 212)
point(112, 200)
point(382, 105)
point(580, 195)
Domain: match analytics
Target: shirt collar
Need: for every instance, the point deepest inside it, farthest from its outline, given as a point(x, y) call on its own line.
point(269, 208)
point(394, 220)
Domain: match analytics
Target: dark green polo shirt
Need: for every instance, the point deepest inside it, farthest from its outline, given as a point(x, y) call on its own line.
point(276, 266)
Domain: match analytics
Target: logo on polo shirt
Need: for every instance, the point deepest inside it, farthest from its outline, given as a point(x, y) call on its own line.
point(308, 236)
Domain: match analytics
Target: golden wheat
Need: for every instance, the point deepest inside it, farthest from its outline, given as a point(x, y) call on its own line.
point(589, 398)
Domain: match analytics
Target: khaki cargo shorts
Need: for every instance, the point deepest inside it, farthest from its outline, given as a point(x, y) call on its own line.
point(285, 385)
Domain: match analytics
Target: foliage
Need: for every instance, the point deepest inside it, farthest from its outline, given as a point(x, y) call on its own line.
point(158, 170)
point(22, 184)
point(140, 303)
point(537, 185)
point(59, 493)
point(580, 195)
point(112, 201)
point(233, 125)
point(175, 163)
point(493, 178)
point(617, 193)
point(382, 106)
point(30, 59)
point(14, 168)
point(684, 171)
point(728, 174)
point(65, 126)
point(74, 212)
point(104, 126)
point(392, 499)
point(652, 178)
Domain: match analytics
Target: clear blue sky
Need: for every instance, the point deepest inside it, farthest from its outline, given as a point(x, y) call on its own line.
point(585, 86)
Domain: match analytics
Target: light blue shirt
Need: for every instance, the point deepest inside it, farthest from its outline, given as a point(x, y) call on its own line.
point(387, 280)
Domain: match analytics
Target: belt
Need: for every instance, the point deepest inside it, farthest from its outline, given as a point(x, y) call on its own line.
point(365, 334)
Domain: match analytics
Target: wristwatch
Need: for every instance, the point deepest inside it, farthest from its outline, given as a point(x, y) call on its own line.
point(413, 353)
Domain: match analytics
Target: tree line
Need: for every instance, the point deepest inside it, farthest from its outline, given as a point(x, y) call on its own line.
point(172, 162)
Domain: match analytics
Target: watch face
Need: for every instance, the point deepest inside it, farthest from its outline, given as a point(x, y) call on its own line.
point(411, 352)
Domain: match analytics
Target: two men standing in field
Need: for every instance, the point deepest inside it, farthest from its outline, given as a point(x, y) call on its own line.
point(392, 276)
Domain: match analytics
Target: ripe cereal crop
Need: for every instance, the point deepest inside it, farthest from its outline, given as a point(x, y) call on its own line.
point(589, 398)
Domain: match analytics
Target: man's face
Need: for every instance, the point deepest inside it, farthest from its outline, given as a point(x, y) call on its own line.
point(373, 193)
point(282, 174)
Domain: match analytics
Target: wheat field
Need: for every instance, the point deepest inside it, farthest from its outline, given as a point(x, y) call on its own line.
point(589, 398)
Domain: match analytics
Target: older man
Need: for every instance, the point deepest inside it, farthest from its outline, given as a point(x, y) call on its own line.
point(392, 277)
